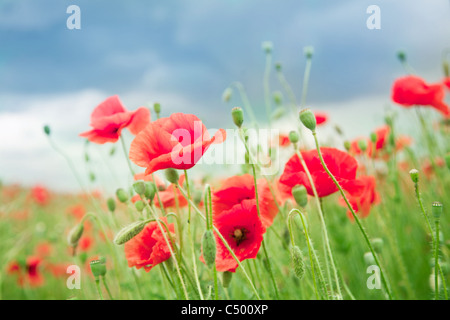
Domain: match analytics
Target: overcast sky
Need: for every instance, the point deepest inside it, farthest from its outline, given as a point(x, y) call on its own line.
point(184, 54)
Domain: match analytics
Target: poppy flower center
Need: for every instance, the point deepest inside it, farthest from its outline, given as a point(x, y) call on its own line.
point(239, 235)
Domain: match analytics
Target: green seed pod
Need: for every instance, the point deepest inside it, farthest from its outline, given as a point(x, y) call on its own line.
point(209, 248)
point(238, 116)
point(436, 209)
point(139, 187)
point(171, 175)
point(293, 136)
point(401, 56)
point(308, 51)
point(150, 190)
point(129, 232)
point(267, 46)
point(414, 174)
point(308, 119)
point(377, 244)
point(47, 130)
point(300, 195)
point(98, 267)
point(373, 137)
point(369, 259)
point(122, 195)
point(157, 107)
point(227, 276)
point(139, 205)
point(347, 145)
point(112, 151)
point(362, 144)
point(111, 204)
point(278, 66)
point(278, 98)
point(298, 265)
point(75, 235)
point(226, 95)
point(338, 130)
point(91, 176)
point(86, 156)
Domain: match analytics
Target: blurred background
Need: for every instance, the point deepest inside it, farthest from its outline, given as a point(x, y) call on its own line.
point(183, 54)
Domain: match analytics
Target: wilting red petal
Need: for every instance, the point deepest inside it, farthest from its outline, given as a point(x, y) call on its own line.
point(411, 90)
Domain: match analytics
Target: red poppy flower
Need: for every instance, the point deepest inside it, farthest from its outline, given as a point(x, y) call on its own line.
point(43, 250)
point(321, 117)
point(149, 247)
point(176, 142)
point(341, 164)
point(243, 231)
point(239, 188)
point(363, 202)
point(78, 211)
point(28, 274)
point(411, 90)
point(40, 194)
point(283, 140)
point(85, 243)
point(110, 117)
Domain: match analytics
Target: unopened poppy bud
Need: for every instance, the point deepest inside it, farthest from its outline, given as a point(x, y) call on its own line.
point(338, 130)
point(86, 156)
point(238, 116)
point(278, 97)
point(308, 51)
point(300, 195)
point(112, 151)
point(171, 175)
point(308, 119)
point(47, 130)
point(278, 66)
point(267, 46)
point(436, 209)
point(347, 145)
point(157, 107)
point(414, 174)
point(139, 205)
point(209, 248)
point(129, 232)
point(150, 190)
point(369, 259)
point(293, 136)
point(111, 204)
point(447, 160)
point(401, 55)
point(139, 187)
point(298, 265)
point(75, 235)
point(91, 176)
point(298, 221)
point(98, 268)
point(122, 195)
point(373, 137)
point(226, 95)
point(226, 278)
point(377, 244)
point(362, 144)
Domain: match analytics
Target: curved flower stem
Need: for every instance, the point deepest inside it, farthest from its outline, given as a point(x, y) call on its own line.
point(306, 81)
point(269, 265)
point(172, 254)
point(161, 205)
point(99, 289)
point(266, 85)
point(124, 148)
point(322, 219)
point(224, 241)
point(358, 222)
point(307, 242)
point(433, 237)
point(107, 288)
point(246, 102)
point(191, 238)
point(436, 262)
